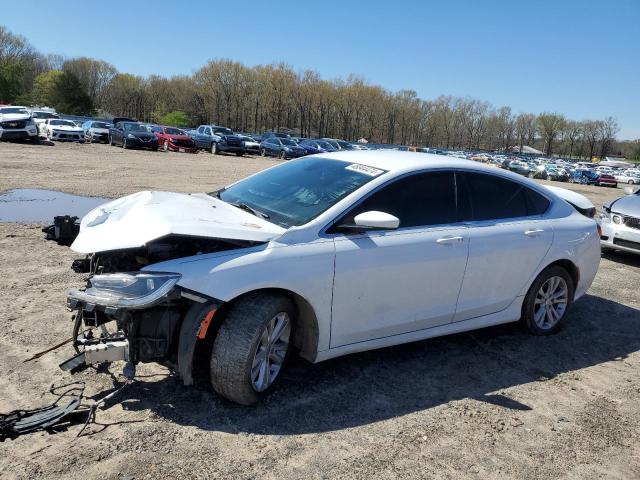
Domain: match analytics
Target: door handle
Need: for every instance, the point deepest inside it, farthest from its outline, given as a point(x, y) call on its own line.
point(533, 233)
point(449, 240)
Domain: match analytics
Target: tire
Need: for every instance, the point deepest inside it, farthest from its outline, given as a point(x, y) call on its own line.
point(124, 143)
point(283, 155)
point(111, 141)
point(534, 315)
point(263, 152)
point(165, 146)
point(214, 148)
point(236, 348)
point(239, 154)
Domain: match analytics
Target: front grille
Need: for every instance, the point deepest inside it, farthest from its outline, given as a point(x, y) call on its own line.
point(14, 125)
point(632, 222)
point(182, 143)
point(626, 243)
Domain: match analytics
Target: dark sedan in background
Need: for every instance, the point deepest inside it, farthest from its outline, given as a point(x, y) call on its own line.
point(132, 135)
point(281, 147)
point(316, 146)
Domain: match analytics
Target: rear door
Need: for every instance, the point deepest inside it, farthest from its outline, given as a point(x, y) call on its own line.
point(394, 282)
point(508, 239)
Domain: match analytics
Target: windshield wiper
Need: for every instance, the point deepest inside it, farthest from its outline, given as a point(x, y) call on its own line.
point(249, 209)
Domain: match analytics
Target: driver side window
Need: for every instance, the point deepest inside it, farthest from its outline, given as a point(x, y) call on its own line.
point(418, 200)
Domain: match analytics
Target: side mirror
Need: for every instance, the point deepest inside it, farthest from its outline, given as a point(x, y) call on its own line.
point(372, 220)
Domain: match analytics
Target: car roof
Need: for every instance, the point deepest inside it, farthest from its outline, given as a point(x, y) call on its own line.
point(397, 161)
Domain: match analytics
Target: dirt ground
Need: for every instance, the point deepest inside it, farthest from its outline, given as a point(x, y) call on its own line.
point(495, 403)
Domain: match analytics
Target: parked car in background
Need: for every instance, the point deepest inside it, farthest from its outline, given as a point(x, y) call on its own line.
point(339, 144)
point(557, 174)
point(316, 146)
point(281, 147)
point(96, 131)
point(132, 135)
point(606, 180)
point(16, 123)
point(218, 139)
point(251, 144)
point(585, 177)
point(59, 129)
point(620, 223)
point(627, 177)
point(519, 167)
point(173, 139)
point(329, 255)
point(40, 117)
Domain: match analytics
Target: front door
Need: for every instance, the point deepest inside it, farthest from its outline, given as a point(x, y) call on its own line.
point(392, 282)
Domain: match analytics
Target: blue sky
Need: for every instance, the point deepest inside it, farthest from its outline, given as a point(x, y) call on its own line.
point(580, 58)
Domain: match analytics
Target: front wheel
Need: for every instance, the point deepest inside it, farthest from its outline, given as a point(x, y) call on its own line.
point(548, 301)
point(283, 155)
point(251, 347)
point(165, 146)
point(263, 152)
point(124, 143)
point(214, 148)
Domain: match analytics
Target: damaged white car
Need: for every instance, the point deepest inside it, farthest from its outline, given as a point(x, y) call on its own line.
point(326, 255)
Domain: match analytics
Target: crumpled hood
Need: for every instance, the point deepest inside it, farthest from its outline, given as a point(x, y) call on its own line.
point(99, 130)
point(628, 205)
point(66, 128)
point(134, 220)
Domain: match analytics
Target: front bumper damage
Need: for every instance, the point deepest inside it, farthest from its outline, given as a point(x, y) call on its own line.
point(166, 327)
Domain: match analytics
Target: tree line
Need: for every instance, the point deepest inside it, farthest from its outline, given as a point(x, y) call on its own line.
point(276, 97)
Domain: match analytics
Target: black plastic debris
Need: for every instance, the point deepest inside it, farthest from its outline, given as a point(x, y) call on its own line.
point(64, 230)
point(19, 422)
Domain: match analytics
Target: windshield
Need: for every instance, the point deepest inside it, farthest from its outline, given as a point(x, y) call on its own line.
point(99, 125)
point(44, 115)
point(66, 123)
point(223, 131)
point(286, 141)
point(325, 145)
point(296, 192)
point(6, 111)
point(173, 131)
point(134, 127)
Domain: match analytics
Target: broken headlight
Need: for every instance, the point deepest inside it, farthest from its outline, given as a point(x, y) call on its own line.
point(126, 290)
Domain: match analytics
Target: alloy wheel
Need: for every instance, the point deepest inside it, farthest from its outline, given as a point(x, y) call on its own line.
point(271, 352)
point(551, 302)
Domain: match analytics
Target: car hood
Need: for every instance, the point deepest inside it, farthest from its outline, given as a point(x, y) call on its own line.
point(184, 138)
point(134, 220)
point(628, 205)
point(140, 134)
point(14, 117)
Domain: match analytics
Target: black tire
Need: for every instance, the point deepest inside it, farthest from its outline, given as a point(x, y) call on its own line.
point(238, 339)
point(124, 143)
point(165, 146)
point(111, 141)
point(263, 152)
point(529, 308)
point(239, 154)
point(214, 148)
point(283, 155)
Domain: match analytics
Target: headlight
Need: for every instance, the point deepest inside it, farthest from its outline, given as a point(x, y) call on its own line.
point(126, 290)
point(132, 136)
point(616, 219)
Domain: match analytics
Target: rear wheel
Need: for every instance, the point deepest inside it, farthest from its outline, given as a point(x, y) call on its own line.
point(111, 141)
point(251, 347)
point(263, 152)
point(548, 301)
point(283, 155)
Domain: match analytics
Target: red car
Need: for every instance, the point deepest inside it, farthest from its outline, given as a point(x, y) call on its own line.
point(606, 180)
point(173, 139)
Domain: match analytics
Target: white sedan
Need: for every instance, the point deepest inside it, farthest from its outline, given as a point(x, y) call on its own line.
point(327, 255)
point(627, 177)
point(59, 129)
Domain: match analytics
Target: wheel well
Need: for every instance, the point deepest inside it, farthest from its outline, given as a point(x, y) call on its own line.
point(570, 267)
point(306, 329)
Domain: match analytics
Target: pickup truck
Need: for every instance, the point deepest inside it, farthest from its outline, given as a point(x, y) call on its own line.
point(218, 139)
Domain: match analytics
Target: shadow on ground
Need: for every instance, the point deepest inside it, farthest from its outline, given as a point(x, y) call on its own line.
point(378, 385)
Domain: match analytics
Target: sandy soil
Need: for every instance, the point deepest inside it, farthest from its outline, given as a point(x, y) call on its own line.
point(496, 403)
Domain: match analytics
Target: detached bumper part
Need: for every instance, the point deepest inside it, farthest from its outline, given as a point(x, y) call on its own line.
point(110, 351)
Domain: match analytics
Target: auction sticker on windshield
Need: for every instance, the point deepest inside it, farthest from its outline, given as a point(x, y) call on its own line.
point(367, 170)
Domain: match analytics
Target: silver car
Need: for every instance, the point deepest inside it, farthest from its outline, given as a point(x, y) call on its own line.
point(620, 223)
